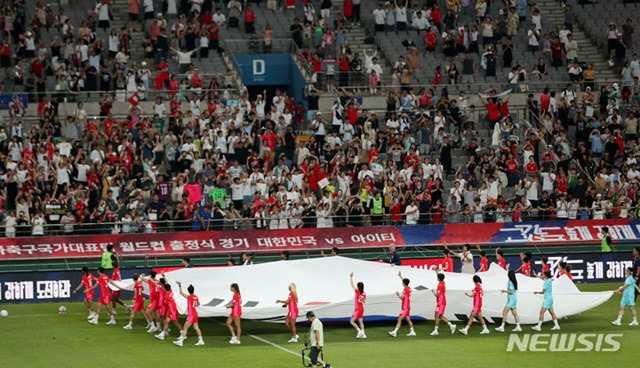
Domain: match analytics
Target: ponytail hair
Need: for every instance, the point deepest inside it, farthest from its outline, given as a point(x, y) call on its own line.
point(512, 277)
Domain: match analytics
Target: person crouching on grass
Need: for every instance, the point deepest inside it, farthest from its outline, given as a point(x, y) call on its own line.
point(235, 316)
point(477, 293)
point(405, 296)
point(627, 290)
point(192, 315)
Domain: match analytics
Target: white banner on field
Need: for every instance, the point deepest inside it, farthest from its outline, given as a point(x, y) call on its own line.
point(323, 286)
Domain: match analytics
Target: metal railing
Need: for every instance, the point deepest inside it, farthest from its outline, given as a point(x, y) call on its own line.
point(440, 216)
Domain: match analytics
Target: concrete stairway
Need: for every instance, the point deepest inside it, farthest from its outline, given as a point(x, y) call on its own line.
point(119, 9)
point(588, 51)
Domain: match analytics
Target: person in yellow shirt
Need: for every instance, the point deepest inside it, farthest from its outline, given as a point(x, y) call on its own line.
point(453, 5)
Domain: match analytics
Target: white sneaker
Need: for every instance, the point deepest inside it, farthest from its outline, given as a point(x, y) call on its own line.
point(363, 336)
point(633, 323)
point(485, 331)
point(128, 327)
point(152, 329)
point(160, 336)
point(91, 315)
point(93, 321)
point(463, 331)
point(536, 328)
point(411, 333)
point(435, 333)
point(616, 323)
point(500, 329)
point(199, 343)
point(517, 329)
point(111, 322)
point(359, 335)
point(453, 328)
point(177, 342)
point(292, 340)
point(555, 328)
point(235, 342)
point(392, 333)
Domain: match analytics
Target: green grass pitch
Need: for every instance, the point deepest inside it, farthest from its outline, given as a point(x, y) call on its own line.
point(35, 335)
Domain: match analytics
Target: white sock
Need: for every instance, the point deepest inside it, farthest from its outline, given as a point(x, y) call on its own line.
point(635, 319)
point(539, 323)
point(619, 318)
point(450, 324)
point(436, 328)
point(518, 324)
point(411, 329)
point(555, 322)
point(199, 338)
point(502, 325)
point(158, 325)
point(395, 330)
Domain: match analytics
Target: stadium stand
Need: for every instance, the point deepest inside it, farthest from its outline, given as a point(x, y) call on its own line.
point(164, 162)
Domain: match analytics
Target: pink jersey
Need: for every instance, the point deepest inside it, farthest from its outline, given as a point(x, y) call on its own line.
point(236, 309)
point(406, 300)
point(484, 264)
point(293, 305)
point(103, 281)
point(87, 281)
point(477, 297)
point(192, 301)
point(153, 289)
point(448, 264)
point(115, 276)
point(137, 292)
point(360, 298)
point(442, 292)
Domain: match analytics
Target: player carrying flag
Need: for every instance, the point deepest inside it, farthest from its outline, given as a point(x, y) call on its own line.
point(192, 315)
point(405, 296)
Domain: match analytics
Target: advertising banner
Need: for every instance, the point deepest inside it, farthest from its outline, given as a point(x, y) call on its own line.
point(8, 101)
point(58, 286)
point(202, 242)
point(314, 239)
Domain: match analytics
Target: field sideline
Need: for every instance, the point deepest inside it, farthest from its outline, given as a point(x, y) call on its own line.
point(34, 335)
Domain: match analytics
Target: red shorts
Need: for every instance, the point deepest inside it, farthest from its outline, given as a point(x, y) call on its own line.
point(138, 305)
point(477, 309)
point(172, 314)
point(154, 305)
point(440, 308)
point(405, 313)
point(105, 299)
point(192, 319)
point(90, 295)
point(358, 314)
point(292, 315)
point(236, 314)
point(163, 310)
point(116, 294)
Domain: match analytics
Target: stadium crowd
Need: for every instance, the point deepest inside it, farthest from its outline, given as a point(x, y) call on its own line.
point(193, 163)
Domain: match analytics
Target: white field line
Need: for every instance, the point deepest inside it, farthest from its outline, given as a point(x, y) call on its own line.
point(269, 343)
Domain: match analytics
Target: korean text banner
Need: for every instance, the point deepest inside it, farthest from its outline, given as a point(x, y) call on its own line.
point(202, 242)
point(211, 242)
